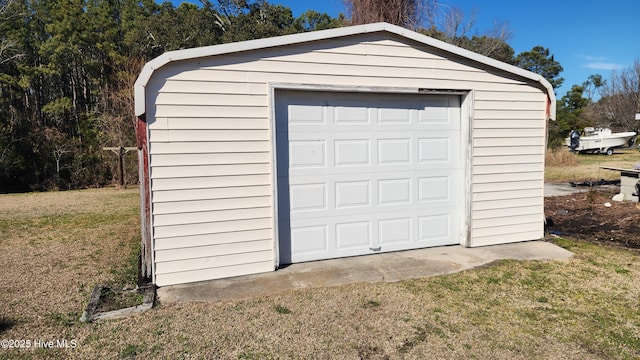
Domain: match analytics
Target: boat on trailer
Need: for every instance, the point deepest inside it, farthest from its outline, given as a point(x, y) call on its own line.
point(599, 140)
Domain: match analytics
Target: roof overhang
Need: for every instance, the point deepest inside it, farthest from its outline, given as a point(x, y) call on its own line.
point(194, 53)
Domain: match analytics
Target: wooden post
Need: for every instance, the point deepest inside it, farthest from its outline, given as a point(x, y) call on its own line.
point(121, 165)
point(146, 260)
point(120, 151)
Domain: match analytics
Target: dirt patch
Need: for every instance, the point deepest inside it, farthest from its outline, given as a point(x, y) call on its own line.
point(585, 216)
point(115, 298)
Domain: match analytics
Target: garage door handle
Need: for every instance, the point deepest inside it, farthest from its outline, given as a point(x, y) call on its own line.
point(375, 248)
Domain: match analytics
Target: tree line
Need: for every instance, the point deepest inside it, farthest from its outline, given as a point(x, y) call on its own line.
point(67, 69)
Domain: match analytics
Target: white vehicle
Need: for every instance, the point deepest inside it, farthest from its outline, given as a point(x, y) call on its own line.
point(599, 140)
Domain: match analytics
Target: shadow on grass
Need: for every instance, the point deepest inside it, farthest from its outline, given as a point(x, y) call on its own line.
point(6, 324)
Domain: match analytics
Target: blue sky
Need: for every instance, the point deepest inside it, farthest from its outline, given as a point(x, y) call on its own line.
point(586, 36)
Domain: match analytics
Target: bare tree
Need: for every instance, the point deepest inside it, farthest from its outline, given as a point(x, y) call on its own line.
point(454, 22)
point(8, 48)
point(115, 111)
point(451, 25)
point(457, 28)
point(411, 14)
point(620, 99)
point(500, 31)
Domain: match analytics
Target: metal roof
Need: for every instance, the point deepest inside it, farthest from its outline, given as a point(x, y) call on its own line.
point(194, 53)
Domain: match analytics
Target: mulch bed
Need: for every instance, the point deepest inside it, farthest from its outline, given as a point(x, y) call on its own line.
point(584, 216)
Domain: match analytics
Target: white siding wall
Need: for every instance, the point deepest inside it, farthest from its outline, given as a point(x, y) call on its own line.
point(210, 134)
point(508, 166)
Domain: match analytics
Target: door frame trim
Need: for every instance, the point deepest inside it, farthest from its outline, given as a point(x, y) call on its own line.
point(466, 140)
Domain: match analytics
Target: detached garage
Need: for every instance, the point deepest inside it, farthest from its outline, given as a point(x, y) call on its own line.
point(329, 144)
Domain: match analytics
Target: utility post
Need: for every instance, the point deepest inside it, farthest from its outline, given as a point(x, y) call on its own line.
point(120, 151)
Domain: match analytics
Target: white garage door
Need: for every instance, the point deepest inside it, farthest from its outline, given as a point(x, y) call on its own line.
point(366, 173)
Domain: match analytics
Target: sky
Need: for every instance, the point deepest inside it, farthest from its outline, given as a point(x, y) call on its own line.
point(585, 36)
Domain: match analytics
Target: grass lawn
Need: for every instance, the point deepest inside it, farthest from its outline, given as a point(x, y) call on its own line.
point(56, 246)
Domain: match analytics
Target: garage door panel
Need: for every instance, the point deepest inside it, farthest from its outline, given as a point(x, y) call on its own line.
point(352, 152)
point(394, 191)
point(366, 173)
point(346, 195)
point(416, 229)
point(353, 235)
point(434, 149)
point(387, 114)
point(395, 231)
point(434, 227)
point(306, 240)
point(372, 212)
point(306, 112)
point(351, 129)
point(307, 153)
point(427, 229)
point(308, 197)
point(435, 188)
point(302, 173)
point(436, 111)
point(350, 115)
point(394, 151)
point(353, 194)
point(349, 109)
point(321, 238)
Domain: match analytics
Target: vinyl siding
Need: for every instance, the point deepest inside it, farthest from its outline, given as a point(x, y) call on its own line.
point(211, 152)
point(189, 147)
point(508, 167)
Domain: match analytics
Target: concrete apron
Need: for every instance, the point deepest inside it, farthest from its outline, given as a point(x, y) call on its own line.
point(387, 267)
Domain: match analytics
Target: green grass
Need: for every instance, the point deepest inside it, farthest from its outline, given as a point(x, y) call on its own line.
point(282, 310)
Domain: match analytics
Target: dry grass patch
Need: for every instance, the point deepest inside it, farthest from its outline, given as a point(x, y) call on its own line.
point(560, 157)
point(578, 309)
point(55, 247)
point(583, 308)
point(563, 166)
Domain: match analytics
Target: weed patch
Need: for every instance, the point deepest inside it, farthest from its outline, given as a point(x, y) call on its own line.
point(370, 352)
point(131, 351)
point(371, 304)
point(63, 319)
point(282, 310)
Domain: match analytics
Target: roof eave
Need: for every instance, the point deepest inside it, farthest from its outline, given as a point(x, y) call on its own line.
point(171, 56)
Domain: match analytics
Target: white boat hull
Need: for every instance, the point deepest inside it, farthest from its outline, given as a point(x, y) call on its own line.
point(602, 142)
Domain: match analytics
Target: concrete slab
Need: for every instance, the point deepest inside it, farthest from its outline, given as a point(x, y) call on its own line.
point(566, 189)
point(561, 189)
point(387, 267)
